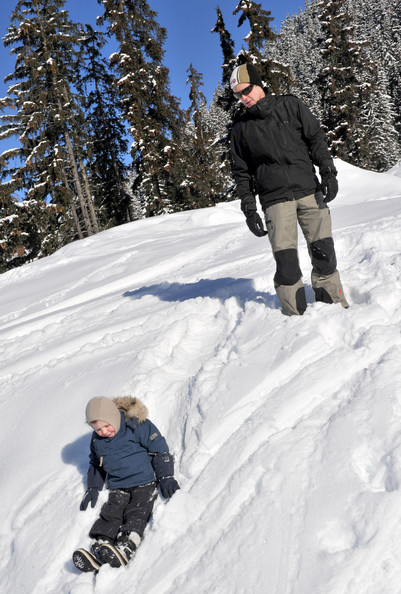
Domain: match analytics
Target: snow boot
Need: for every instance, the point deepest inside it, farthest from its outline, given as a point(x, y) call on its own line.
point(95, 547)
point(86, 561)
point(118, 554)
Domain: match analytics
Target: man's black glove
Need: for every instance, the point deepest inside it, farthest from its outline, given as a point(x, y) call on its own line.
point(168, 486)
point(329, 184)
point(91, 496)
point(255, 224)
point(253, 220)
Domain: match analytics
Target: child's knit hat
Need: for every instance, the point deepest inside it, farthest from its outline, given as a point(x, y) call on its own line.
point(101, 408)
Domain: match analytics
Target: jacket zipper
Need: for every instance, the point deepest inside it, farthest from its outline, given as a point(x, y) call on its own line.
point(283, 161)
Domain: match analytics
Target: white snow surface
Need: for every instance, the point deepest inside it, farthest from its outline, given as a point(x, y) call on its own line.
point(286, 431)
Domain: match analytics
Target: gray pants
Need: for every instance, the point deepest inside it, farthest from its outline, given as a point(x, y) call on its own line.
point(314, 219)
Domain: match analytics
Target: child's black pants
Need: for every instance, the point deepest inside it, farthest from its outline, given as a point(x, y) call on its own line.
point(127, 510)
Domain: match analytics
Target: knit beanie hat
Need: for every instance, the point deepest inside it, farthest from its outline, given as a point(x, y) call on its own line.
point(103, 409)
point(246, 73)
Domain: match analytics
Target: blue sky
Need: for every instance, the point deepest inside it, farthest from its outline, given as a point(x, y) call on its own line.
point(188, 24)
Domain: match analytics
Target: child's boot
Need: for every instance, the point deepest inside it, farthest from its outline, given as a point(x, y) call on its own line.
point(89, 560)
point(118, 554)
point(86, 561)
point(96, 545)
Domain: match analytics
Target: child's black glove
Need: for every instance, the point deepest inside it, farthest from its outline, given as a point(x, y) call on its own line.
point(168, 486)
point(91, 496)
point(163, 465)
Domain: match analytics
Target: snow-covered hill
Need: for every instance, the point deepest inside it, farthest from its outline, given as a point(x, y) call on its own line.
point(286, 431)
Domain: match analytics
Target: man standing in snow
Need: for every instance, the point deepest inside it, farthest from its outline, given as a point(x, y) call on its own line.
point(274, 147)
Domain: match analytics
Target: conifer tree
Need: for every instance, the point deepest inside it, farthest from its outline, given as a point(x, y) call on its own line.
point(219, 122)
point(379, 23)
point(342, 82)
point(375, 65)
point(380, 149)
point(48, 119)
point(10, 235)
point(107, 136)
point(395, 68)
point(151, 111)
point(225, 98)
point(225, 102)
point(274, 74)
point(206, 182)
point(26, 230)
point(195, 163)
point(384, 34)
point(297, 46)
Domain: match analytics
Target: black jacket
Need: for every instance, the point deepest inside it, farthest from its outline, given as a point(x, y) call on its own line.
point(274, 147)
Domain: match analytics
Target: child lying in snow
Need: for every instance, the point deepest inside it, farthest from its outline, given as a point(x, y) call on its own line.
point(129, 453)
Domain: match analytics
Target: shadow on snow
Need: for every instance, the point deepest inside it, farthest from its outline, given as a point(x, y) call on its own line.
point(241, 289)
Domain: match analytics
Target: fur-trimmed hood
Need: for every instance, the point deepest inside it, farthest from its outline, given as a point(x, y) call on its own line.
point(132, 408)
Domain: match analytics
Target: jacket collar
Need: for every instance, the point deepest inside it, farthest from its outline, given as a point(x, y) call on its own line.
point(262, 108)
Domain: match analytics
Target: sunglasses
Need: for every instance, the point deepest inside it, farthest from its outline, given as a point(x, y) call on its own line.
point(245, 91)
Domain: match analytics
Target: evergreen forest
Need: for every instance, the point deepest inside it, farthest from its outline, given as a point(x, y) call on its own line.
point(100, 140)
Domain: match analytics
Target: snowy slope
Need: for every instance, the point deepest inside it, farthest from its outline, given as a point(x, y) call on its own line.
point(286, 431)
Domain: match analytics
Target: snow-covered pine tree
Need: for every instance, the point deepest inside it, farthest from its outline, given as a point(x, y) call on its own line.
point(200, 159)
point(11, 242)
point(107, 135)
point(48, 121)
point(395, 67)
point(27, 229)
point(380, 23)
point(381, 143)
point(261, 36)
point(300, 41)
point(197, 169)
point(344, 81)
point(152, 113)
point(297, 47)
point(225, 98)
point(219, 122)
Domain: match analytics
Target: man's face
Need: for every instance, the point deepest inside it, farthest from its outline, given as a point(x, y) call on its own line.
point(253, 97)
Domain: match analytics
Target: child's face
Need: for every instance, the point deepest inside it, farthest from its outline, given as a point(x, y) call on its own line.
point(103, 429)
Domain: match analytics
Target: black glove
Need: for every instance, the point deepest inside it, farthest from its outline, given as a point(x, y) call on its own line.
point(255, 224)
point(91, 496)
point(168, 486)
point(163, 465)
point(329, 184)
